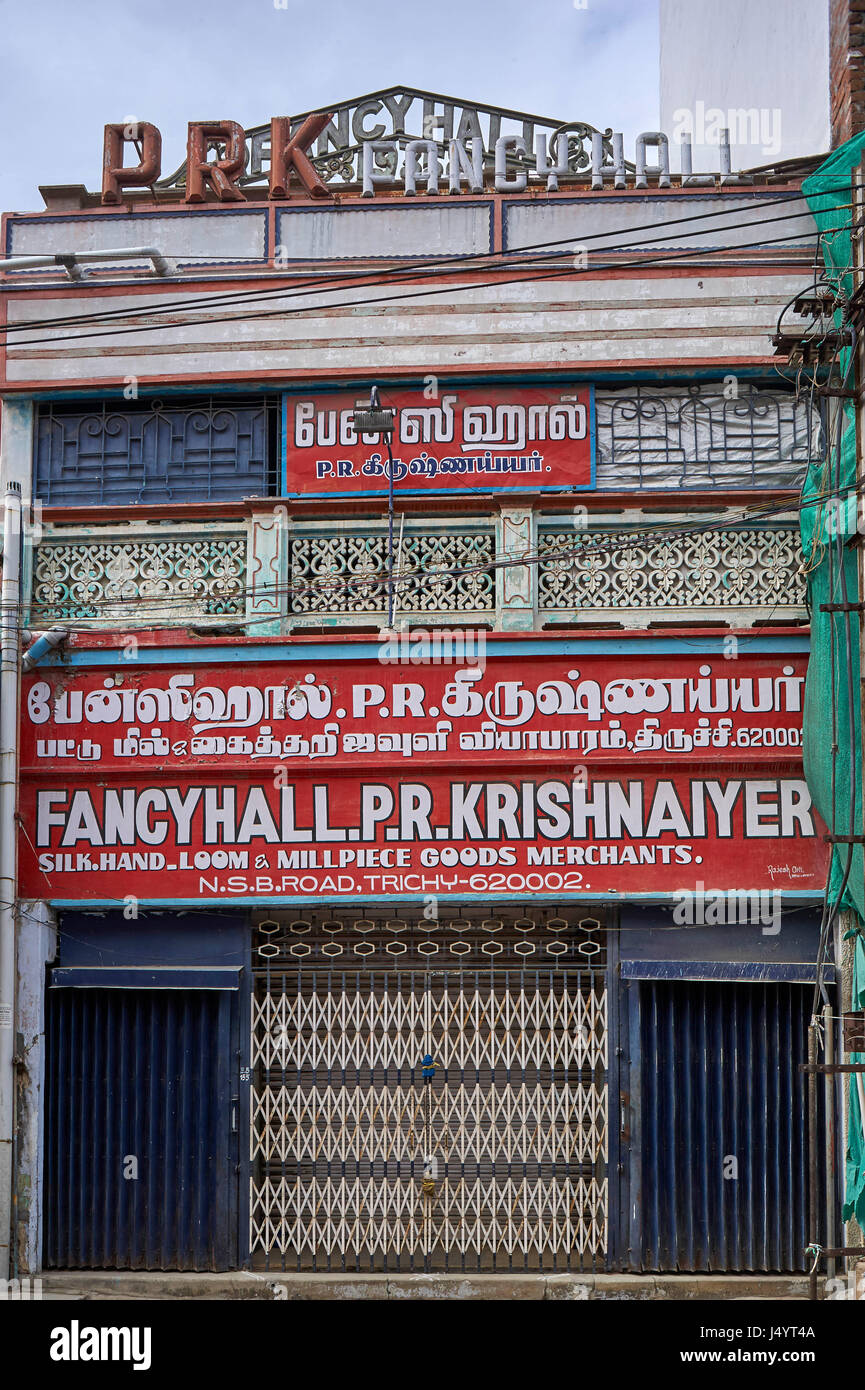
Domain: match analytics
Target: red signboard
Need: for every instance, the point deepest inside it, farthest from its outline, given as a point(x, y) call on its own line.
point(472, 438)
point(415, 705)
point(627, 775)
point(441, 833)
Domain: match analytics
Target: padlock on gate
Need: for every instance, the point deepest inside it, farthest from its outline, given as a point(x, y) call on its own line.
point(430, 1173)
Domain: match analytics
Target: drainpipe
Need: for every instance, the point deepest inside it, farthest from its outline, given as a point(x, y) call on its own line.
point(45, 642)
point(9, 687)
point(72, 261)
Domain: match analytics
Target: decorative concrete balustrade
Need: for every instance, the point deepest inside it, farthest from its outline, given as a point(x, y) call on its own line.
point(269, 574)
point(751, 575)
point(130, 577)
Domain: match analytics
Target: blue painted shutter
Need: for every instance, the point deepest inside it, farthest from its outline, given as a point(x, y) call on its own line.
point(142, 1073)
point(718, 1068)
point(198, 451)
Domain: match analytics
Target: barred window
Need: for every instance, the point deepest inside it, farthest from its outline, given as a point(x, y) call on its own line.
point(704, 436)
point(206, 449)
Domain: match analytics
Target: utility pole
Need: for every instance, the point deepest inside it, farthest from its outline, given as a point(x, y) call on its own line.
point(376, 419)
point(858, 276)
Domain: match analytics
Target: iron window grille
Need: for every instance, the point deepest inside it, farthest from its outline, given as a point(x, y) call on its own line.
point(206, 449)
point(718, 434)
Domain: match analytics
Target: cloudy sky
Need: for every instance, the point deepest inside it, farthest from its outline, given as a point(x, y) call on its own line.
point(71, 65)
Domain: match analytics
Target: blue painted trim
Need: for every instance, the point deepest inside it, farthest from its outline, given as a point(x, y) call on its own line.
point(528, 375)
point(283, 440)
point(616, 1150)
point(593, 443)
point(498, 488)
point(143, 977)
point(793, 972)
point(631, 1189)
point(601, 378)
point(624, 645)
point(243, 1065)
point(407, 206)
point(94, 904)
point(146, 393)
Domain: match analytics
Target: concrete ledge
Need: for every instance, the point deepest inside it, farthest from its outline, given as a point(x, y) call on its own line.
point(99, 1285)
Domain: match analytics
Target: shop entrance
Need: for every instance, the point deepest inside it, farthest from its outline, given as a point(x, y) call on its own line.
point(429, 1094)
point(720, 1170)
point(141, 1125)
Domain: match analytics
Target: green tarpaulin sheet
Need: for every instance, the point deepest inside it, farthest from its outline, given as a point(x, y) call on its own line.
point(834, 637)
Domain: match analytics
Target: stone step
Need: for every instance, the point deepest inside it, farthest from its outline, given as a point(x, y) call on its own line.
point(288, 1287)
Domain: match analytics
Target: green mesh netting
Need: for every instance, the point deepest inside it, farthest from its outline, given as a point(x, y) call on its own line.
point(834, 640)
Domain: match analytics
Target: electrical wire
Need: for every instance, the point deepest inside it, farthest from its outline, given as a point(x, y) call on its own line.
point(829, 912)
point(834, 553)
point(607, 544)
point(626, 543)
point(470, 260)
point(663, 259)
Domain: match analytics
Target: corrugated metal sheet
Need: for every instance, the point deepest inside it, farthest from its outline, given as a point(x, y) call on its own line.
point(720, 1093)
point(142, 1075)
point(230, 234)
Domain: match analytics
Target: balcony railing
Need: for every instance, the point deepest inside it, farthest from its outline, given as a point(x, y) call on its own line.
point(269, 575)
point(180, 574)
point(595, 576)
point(342, 576)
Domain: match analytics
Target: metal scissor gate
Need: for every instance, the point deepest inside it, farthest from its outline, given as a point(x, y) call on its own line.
point(437, 1107)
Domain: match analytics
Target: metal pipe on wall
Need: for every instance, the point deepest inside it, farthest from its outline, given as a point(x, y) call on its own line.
point(42, 644)
point(813, 1219)
point(72, 260)
point(9, 693)
point(829, 1099)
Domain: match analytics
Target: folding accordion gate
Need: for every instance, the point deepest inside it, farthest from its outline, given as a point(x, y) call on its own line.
point(429, 1094)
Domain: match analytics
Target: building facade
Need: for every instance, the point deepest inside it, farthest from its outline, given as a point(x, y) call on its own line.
point(764, 71)
point(417, 866)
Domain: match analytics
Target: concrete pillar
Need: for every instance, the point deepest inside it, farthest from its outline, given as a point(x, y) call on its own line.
point(267, 572)
point(16, 446)
point(37, 946)
point(516, 585)
point(16, 466)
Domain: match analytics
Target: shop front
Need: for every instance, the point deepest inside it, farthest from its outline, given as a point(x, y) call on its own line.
point(380, 957)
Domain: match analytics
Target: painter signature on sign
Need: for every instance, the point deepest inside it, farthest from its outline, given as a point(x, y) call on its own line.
point(788, 870)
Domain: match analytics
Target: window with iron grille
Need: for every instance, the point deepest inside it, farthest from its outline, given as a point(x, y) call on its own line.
point(712, 435)
point(207, 449)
